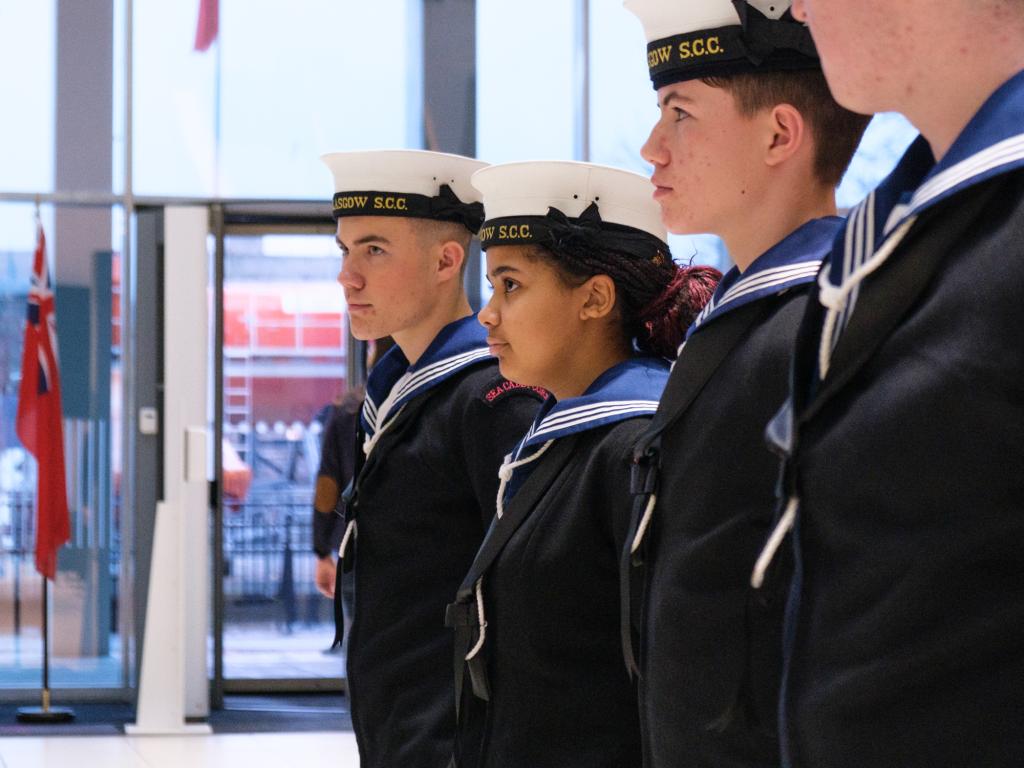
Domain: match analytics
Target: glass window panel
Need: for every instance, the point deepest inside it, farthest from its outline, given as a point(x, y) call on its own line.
point(85, 599)
point(250, 116)
point(28, 61)
point(884, 142)
point(526, 81)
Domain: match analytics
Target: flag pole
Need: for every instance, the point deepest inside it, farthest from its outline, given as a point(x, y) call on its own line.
point(38, 418)
point(45, 714)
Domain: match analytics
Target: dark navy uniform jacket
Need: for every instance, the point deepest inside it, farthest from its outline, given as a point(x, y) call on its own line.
point(709, 650)
point(422, 502)
point(560, 695)
point(905, 633)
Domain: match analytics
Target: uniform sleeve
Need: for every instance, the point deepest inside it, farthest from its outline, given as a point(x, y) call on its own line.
point(497, 415)
point(337, 463)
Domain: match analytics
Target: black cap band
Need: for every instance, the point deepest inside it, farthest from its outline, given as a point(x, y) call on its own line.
point(759, 44)
point(558, 232)
point(446, 206)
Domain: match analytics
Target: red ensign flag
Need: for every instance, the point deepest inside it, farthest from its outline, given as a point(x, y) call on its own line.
point(207, 26)
point(39, 424)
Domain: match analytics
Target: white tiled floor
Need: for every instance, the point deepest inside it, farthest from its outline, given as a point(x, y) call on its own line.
point(258, 750)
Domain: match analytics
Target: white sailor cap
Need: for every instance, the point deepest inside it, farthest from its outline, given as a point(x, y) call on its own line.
point(545, 201)
point(406, 182)
point(714, 38)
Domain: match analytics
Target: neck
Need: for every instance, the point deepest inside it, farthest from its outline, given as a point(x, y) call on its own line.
point(958, 95)
point(954, 60)
point(414, 341)
point(789, 204)
point(574, 378)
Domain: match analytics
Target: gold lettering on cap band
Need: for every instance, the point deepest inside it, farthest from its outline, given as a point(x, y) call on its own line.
point(687, 49)
point(351, 201)
point(706, 46)
point(514, 232)
point(390, 203)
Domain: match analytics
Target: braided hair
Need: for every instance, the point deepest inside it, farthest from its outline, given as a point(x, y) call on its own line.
point(658, 298)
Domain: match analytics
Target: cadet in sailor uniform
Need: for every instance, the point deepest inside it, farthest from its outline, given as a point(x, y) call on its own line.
point(905, 479)
point(577, 257)
point(437, 419)
point(750, 146)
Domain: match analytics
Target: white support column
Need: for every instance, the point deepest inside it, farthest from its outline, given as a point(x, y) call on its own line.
point(174, 682)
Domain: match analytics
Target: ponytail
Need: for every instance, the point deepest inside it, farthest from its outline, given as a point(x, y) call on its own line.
point(664, 321)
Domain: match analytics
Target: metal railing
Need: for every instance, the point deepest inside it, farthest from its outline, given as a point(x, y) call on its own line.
point(268, 560)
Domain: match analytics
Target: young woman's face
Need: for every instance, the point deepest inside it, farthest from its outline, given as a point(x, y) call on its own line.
point(532, 319)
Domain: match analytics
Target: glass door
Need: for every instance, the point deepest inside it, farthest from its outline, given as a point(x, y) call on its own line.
point(283, 367)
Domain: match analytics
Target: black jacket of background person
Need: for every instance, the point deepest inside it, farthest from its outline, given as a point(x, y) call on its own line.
point(337, 456)
point(709, 650)
point(425, 497)
point(560, 695)
point(905, 637)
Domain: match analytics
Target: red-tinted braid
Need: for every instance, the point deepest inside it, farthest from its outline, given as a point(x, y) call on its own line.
point(671, 313)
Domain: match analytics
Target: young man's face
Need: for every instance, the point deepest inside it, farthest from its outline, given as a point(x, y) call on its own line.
point(707, 159)
point(866, 48)
point(388, 274)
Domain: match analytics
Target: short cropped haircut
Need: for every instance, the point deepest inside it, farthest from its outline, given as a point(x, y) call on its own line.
point(836, 131)
point(433, 232)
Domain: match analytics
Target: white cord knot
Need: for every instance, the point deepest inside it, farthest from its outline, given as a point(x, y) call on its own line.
point(831, 296)
point(505, 472)
point(771, 547)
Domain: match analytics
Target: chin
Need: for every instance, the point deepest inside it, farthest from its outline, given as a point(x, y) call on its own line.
point(364, 332)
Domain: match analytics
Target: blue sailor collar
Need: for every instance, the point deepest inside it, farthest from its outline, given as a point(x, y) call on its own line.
point(458, 345)
point(629, 389)
point(795, 260)
point(990, 145)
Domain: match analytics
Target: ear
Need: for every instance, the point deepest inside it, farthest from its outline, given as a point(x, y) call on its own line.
point(450, 258)
point(788, 133)
point(599, 297)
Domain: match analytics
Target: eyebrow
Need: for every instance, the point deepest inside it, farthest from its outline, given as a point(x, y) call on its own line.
point(363, 241)
point(497, 271)
point(670, 97)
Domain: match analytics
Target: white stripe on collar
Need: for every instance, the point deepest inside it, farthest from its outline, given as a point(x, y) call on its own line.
point(409, 385)
point(440, 368)
point(566, 421)
point(769, 281)
point(1005, 152)
point(860, 257)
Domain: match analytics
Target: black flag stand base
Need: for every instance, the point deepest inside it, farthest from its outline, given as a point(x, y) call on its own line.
point(45, 714)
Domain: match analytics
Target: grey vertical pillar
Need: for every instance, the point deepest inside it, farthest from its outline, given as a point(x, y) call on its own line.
point(82, 240)
point(449, 93)
point(84, 131)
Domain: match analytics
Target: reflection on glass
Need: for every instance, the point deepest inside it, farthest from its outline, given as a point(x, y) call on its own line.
point(250, 116)
point(284, 369)
point(86, 644)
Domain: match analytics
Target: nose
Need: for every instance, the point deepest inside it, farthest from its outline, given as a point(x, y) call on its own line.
point(488, 316)
point(799, 10)
point(653, 150)
point(349, 277)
